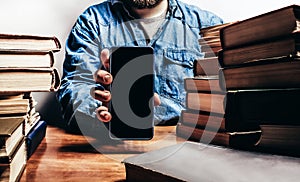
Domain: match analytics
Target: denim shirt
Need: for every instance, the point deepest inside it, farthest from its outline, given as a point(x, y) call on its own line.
point(109, 24)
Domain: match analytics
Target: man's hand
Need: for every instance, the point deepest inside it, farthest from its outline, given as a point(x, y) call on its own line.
point(105, 78)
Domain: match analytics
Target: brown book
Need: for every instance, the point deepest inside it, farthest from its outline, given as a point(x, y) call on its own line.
point(200, 119)
point(11, 133)
point(212, 30)
point(261, 27)
point(232, 139)
point(275, 74)
point(285, 47)
point(213, 41)
point(280, 137)
point(210, 45)
point(276, 139)
point(202, 83)
point(248, 109)
point(206, 66)
point(29, 42)
point(28, 79)
point(192, 161)
point(209, 50)
point(208, 102)
point(210, 40)
point(26, 58)
point(13, 170)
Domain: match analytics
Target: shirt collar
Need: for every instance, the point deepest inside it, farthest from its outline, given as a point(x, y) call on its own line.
point(174, 9)
point(115, 1)
point(120, 3)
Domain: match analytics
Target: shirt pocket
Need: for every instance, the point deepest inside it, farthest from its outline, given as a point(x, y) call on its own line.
point(177, 65)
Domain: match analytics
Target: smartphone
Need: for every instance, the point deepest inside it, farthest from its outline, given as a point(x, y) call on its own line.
point(132, 92)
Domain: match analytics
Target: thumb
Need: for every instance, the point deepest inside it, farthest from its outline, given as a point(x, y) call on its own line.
point(156, 99)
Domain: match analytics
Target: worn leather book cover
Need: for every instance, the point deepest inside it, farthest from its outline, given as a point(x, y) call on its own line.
point(192, 161)
point(266, 51)
point(276, 23)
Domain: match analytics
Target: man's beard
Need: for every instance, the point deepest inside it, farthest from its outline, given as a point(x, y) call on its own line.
point(141, 4)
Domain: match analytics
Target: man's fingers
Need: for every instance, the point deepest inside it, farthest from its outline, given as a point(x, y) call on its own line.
point(101, 95)
point(103, 114)
point(103, 77)
point(104, 56)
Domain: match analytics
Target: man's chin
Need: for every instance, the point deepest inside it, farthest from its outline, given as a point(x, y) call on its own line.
point(142, 4)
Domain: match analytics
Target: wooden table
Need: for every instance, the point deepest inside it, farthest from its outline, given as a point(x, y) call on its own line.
point(68, 157)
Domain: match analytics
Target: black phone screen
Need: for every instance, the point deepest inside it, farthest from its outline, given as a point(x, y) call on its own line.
point(131, 105)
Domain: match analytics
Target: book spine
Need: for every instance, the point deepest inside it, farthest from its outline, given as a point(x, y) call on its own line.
point(200, 119)
point(201, 135)
point(202, 85)
point(35, 136)
point(208, 102)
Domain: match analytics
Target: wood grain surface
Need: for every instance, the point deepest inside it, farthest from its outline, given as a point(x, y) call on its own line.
point(67, 157)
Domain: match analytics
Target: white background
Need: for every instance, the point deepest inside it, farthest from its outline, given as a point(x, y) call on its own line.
point(56, 17)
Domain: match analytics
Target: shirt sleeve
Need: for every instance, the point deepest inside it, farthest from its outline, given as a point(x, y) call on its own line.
point(82, 60)
point(209, 19)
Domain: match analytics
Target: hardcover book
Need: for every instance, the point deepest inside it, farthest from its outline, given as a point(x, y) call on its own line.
point(14, 105)
point(13, 170)
point(28, 79)
point(35, 136)
point(277, 139)
point(11, 133)
point(246, 139)
point(209, 42)
point(282, 73)
point(261, 27)
point(206, 66)
point(203, 84)
point(29, 42)
point(203, 119)
point(284, 47)
point(249, 108)
point(280, 138)
point(26, 58)
point(192, 161)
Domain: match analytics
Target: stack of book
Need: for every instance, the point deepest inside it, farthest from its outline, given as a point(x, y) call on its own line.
point(256, 101)
point(260, 59)
point(26, 66)
point(205, 82)
point(204, 120)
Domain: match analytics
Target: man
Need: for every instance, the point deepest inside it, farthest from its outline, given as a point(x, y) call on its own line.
point(169, 26)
